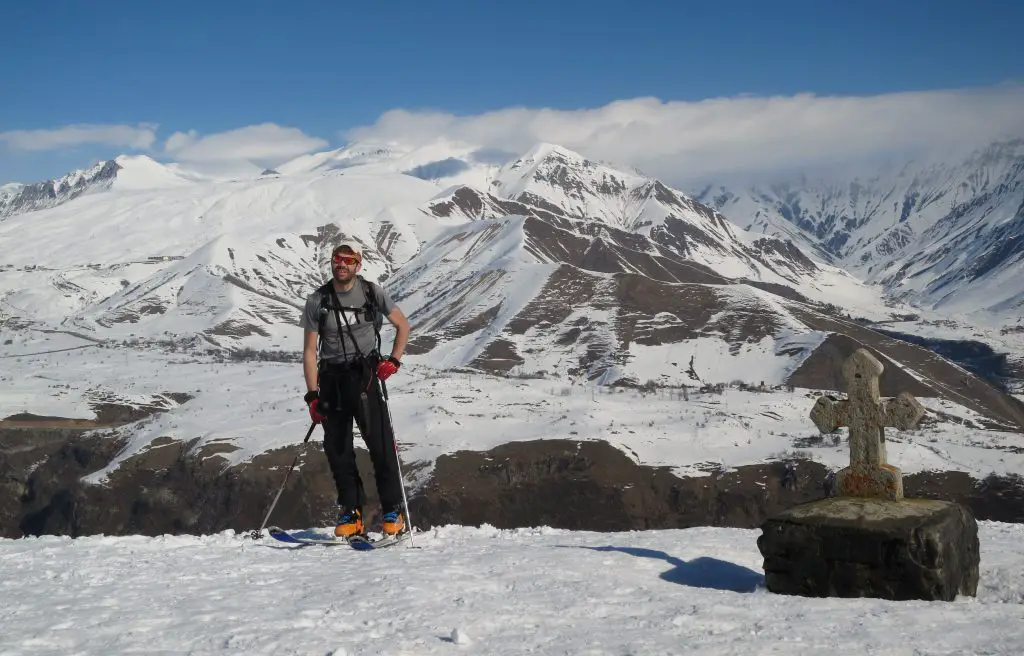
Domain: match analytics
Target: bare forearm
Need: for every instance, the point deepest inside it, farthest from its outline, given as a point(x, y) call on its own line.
point(401, 339)
point(309, 371)
point(402, 329)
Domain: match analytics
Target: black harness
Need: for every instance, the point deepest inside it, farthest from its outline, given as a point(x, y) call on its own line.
point(361, 367)
point(329, 302)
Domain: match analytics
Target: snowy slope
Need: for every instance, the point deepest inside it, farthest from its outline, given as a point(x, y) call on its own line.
point(256, 406)
point(475, 591)
point(941, 232)
point(444, 162)
point(158, 256)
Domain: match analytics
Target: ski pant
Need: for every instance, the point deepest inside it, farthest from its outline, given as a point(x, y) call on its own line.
point(352, 392)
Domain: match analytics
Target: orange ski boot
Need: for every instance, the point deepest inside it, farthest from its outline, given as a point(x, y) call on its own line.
point(350, 524)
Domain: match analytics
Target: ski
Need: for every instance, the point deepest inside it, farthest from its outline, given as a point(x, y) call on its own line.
point(363, 543)
point(360, 543)
point(303, 537)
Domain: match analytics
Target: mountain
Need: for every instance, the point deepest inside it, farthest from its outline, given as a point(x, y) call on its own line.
point(18, 198)
point(157, 256)
point(174, 258)
point(442, 162)
point(944, 234)
point(124, 173)
point(566, 267)
point(591, 348)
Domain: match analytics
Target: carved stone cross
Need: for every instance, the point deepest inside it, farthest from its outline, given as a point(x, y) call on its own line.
point(869, 475)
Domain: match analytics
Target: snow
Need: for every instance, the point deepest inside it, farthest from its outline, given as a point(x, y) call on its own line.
point(142, 172)
point(917, 227)
point(442, 161)
point(474, 590)
point(126, 225)
point(439, 412)
point(10, 188)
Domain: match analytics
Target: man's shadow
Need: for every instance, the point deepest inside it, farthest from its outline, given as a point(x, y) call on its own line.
point(703, 572)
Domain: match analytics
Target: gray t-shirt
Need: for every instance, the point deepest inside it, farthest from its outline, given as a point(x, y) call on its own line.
point(351, 311)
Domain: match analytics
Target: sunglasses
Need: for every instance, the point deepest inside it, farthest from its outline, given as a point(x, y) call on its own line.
point(346, 259)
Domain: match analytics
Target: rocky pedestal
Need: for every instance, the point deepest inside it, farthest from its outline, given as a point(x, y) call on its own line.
point(858, 547)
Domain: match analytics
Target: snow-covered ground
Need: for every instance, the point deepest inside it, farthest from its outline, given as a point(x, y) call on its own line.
point(474, 590)
point(257, 406)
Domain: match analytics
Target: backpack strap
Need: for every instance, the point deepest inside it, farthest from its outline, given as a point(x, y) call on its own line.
point(371, 310)
point(325, 310)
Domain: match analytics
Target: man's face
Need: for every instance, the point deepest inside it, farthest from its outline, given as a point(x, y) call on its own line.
point(345, 266)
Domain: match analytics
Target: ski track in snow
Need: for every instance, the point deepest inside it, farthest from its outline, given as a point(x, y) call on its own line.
point(542, 590)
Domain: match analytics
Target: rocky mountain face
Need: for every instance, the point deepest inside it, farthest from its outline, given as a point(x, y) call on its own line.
point(947, 234)
point(16, 198)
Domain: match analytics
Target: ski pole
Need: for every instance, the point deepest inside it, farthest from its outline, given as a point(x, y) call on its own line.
point(398, 459)
point(256, 534)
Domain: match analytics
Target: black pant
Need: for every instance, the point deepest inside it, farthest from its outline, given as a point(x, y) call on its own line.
point(353, 392)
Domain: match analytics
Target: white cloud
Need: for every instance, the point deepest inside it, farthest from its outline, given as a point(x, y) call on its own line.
point(680, 140)
point(264, 144)
point(139, 137)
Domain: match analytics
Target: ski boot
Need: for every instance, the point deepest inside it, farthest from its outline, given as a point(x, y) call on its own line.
point(394, 523)
point(350, 524)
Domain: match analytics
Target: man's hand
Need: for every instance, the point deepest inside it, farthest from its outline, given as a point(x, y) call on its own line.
point(312, 399)
point(387, 367)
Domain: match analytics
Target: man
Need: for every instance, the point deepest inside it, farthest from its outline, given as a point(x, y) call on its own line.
point(344, 386)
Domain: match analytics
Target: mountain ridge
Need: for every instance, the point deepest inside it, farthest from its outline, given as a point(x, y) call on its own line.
point(945, 235)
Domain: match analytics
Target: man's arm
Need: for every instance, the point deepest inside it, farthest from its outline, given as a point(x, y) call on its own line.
point(309, 360)
point(401, 324)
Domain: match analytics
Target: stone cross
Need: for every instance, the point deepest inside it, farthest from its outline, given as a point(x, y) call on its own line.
point(869, 475)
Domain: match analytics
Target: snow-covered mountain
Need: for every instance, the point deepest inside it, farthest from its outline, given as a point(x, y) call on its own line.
point(124, 173)
point(17, 198)
point(946, 234)
point(440, 161)
point(160, 304)
point(561, 266)
point(160, 256)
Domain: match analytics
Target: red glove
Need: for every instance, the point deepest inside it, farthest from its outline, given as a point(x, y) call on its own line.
point(387, 367)
point(312, 399)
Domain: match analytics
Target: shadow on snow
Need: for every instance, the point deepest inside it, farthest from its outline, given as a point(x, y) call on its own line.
point(703, 572)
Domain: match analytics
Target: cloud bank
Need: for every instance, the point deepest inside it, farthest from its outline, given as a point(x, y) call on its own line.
point(682, 140)
point(264, 144)
point(238, 152)
point(139, 137)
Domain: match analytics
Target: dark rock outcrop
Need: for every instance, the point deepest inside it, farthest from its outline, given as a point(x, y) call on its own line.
point(175, 487)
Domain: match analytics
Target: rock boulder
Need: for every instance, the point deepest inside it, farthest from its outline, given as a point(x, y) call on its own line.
point(863, 547)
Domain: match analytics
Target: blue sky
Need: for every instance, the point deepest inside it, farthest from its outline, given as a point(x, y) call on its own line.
point(323, 68)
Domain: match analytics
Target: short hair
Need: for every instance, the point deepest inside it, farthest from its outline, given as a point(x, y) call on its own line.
point(347, 250)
